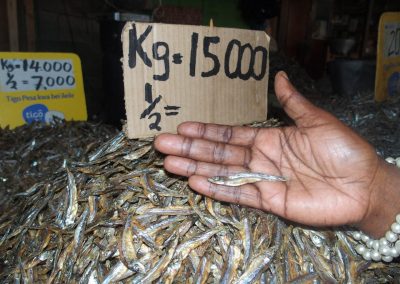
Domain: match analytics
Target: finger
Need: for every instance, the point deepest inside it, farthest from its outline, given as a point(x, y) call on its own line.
point(303, 112)
point(188, 167)
point(202, 150)
point(235, 135)
point(247, 195)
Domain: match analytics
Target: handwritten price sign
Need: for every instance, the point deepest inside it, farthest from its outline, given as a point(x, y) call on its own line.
point(388, 57)
point(40, 87)
point(176, 73)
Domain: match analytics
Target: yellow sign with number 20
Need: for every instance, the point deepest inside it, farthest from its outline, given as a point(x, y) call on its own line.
point(387, 82)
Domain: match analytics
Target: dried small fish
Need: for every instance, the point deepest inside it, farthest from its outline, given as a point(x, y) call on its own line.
point(171, 210)
point(117, 273)
point(323, 269)
point(244, 178)
point(92, 208)
point(72, 207)
point(247, 241)
point(138, 153)
point(203, 270)
point(182, 251)
point(149, 191)
point(127, 248)
point(31, 190)
point(232, 263)
point(257, 266)
point(163, 262)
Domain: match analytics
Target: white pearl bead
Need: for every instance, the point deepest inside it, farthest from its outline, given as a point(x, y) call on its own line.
point(395, 228)
point(398, 218)
point(383, 242)
point(367, 255)
point(375, 245)
point(390, 160)
point(357, 236)
point(360, 249)
point(376, 256)
point(387, 258)
point(397, 161)
point(390, 236)
point(364, 238)
point(385, 250)
point(370, 243)
point(397, 249)
point(397, 245)
point(394, 252)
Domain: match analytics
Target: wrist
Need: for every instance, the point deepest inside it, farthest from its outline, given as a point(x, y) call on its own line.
point(384, 201)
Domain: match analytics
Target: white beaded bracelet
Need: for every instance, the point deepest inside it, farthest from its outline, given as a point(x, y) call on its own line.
point(385, 248)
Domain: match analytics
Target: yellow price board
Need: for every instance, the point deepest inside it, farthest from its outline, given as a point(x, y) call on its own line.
point(387, 82)
point(40, 87)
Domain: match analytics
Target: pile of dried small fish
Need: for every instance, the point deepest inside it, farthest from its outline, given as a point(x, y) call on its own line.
point(32, 153)
point(378, 123)
point(116, 215)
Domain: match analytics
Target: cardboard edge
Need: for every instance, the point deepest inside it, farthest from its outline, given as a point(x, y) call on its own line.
point(268, 74)
point(127, 83)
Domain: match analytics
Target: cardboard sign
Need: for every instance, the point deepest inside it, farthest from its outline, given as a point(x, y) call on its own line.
point(39, 87)
point(387, 81)
point(176, 73)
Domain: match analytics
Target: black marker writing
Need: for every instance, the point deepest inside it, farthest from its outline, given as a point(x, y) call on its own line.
point(10, 81)
point(164, 57)
point(206, 50)
point(135, 46)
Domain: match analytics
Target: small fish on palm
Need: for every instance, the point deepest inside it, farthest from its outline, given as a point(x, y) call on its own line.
point(245, 178)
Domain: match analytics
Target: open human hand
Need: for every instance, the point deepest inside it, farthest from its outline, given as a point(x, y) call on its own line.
point(332, 172)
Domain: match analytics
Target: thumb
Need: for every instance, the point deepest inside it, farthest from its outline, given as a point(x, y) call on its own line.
point(303, 112)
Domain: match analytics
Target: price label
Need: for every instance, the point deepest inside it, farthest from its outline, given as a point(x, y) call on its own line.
point(34, 75)
point(175, 73)
point(387, 83)
point(392, 40)
point(39, 87)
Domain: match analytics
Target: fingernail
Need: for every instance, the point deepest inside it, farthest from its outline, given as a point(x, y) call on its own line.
point(283, 74)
